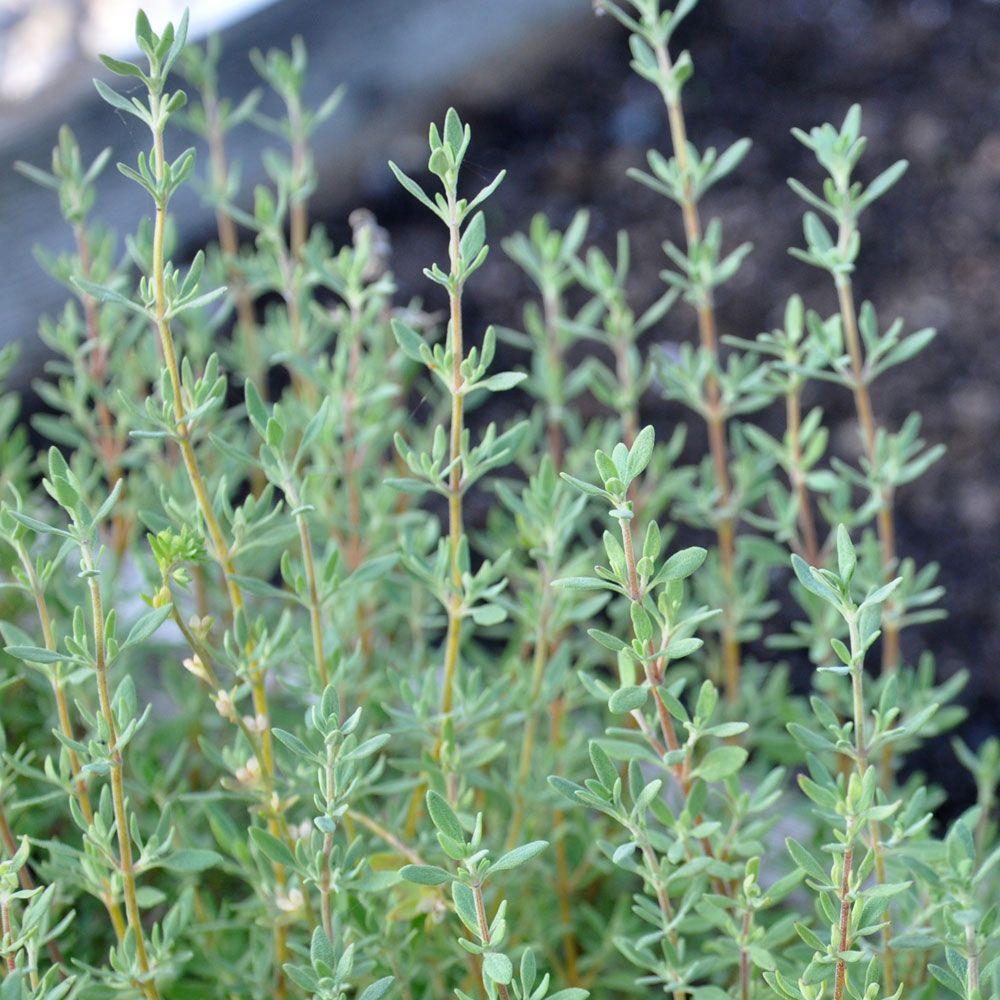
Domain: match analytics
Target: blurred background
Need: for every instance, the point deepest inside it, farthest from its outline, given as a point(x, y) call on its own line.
point(547, 89)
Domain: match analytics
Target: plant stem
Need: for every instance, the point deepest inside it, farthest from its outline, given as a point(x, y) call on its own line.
point(324, 886)
point(300, 203)
point(745, 955)
point(315, 610)
point(352, 457)
point(8, 932)
point(120, 806)
point(866, 419)
point(105, 444)
point(972, 956)
point(552, 311)
point(453, 638)
point(352, 464)
point(28, 883)
point(80, 791)
point(552, 308)
point(563, 887)
point(807, 524)
point(214, 529)
point(539, 662)
point(635, 594)
point(654, 669)
point(484, 931)
point(861, 751)
point(725, 527)
point(228, 239)
point(363, 819)
point(620, 343)
point(662, 899)
point(845, 913)
point(455, 526)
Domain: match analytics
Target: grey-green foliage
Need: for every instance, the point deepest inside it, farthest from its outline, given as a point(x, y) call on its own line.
point(265, 643)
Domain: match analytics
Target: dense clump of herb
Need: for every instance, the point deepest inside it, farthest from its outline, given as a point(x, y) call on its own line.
point(283, 721)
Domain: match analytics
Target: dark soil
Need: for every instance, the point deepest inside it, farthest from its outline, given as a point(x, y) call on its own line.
point(927, 73)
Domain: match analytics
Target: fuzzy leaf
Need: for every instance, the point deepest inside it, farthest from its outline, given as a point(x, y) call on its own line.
point(519, 856)
point(377, 990)
point(498, 967)
point(444, 818)
point(628, 699)
point(720, 763)
point(425, 874)
point(34, 654)
point(805, 860)
point(191, 859)
point(271, 847)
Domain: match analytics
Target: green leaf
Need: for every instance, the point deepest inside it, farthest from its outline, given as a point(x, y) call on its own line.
point(628, 699)
point(369, 747)
point(425, 874)
point(809, 739)
point(191, 859)
point(271, 847)
point(410, 342)
point(414, 189)
point(606, 639)
point(584, 487)
point(882, 184)
point(519, 856)
point(37, 526)
point(293, 743)
point(677, 649)
point(780, 889)
point(316, 424)
point(443, 817)
point(603, 766)
point(582, 583)
point(674, 705)
point(641, 623)
point(148, 624)
point(947, 978)
point(488, 614)
point(501, 382)
point(682, 564)
point(34, 654)
point(486, 191)
point(465, 905)
point(377, 990)
point(498, 967)
point(454, 133)
point(885, 890)
point(373, 569)
point(726, 730)
point(808, 578)
point(567, 789)
point(473, 238)
point(881, 595)
point(640, 453)
point(147, 897)
point(39, 177)
point(116, 100)
point(805, 860)
point(720, 763)
point(121, 67)
point(847, 560)
point(256, 409)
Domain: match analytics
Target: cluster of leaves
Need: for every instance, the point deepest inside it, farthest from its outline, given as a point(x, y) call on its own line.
point(285, 718)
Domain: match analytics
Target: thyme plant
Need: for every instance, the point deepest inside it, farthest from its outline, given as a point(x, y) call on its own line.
point(288, 716)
